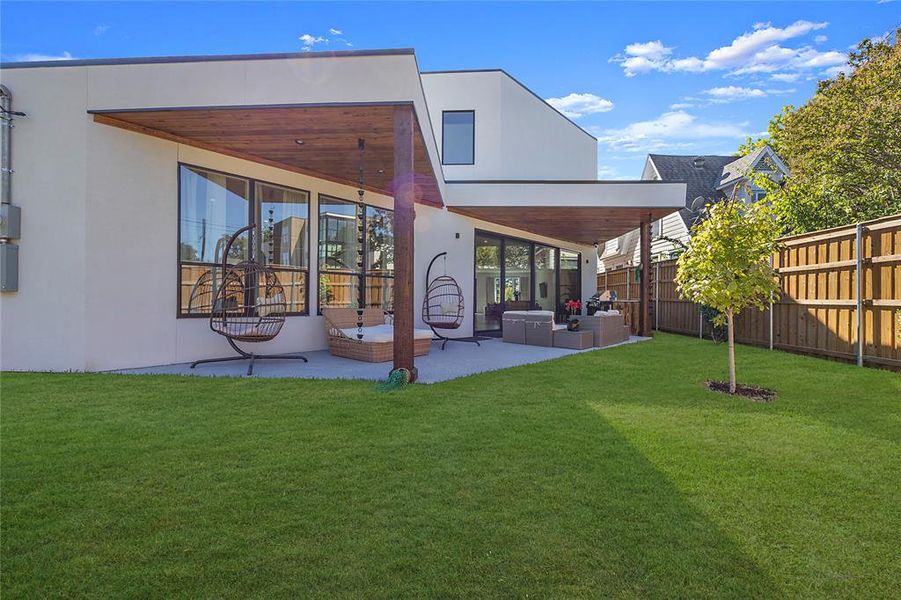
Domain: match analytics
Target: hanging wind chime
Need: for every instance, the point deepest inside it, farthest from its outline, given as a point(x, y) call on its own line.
point(361, 224)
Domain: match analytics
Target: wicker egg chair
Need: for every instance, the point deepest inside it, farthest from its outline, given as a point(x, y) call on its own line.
point(443, 306)
point(246, 304)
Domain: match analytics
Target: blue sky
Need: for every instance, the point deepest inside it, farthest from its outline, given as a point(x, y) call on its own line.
point(673, 77)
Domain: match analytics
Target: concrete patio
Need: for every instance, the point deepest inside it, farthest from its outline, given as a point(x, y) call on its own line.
point(457, 360)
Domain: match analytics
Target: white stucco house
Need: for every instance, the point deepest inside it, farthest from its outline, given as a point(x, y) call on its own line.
point(128, 173)
point(707, 178)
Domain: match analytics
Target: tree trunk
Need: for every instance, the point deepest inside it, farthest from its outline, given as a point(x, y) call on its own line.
point(731, 352)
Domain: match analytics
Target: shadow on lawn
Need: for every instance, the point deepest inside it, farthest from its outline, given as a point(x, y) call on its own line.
point(548, 498)
point(439, 491)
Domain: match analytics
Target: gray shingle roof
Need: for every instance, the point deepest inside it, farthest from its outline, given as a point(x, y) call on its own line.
point(701, 180)
point(740, 167)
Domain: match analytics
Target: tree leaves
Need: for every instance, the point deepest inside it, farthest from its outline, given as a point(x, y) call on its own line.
point(843, 146)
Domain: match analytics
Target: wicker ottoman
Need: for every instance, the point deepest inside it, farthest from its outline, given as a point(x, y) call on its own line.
point(607, 329)
point(576, 340)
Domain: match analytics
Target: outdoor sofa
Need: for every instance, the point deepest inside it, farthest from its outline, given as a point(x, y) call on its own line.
point(342, 326)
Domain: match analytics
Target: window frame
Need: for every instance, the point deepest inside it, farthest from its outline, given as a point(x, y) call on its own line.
point(444, 137)
point(363, 274)
point(252, 210)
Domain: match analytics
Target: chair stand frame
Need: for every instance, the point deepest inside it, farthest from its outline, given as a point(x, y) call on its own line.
point(445, 339)
point(248, 356)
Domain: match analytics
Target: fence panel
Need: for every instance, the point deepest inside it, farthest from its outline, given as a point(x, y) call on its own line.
point(817, 312)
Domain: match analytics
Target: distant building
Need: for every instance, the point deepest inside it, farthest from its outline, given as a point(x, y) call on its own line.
point(707, 178)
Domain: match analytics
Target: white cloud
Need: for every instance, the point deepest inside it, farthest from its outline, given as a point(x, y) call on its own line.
point(579, 105)
point(671, 130)
point(821, 39)
point(35, 57)
point(734, 92)
point(651, 50)
point(101, 29)
point(834, 71)
point(608, 172)
point(756, 51)
point(785, 77)
point(310, 41)
point(680, 105)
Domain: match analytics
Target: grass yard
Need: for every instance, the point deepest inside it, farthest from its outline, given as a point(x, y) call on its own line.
point(610, 473)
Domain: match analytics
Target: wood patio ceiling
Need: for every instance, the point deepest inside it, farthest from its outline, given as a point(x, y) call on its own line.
point(582, 225)
point(267, 135)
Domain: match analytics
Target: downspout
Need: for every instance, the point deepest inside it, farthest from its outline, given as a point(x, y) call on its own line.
point(6, 117)
point(10, 216)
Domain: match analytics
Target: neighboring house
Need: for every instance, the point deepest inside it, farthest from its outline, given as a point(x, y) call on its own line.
point(130, 173)
point(707, 178)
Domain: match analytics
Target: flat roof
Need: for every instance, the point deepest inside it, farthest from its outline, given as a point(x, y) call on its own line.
point(151, 60)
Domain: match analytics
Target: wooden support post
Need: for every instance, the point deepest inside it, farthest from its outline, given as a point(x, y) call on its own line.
point(771, 309)
point(644, 319)
point(657, 298)
point(859, 281)
point(404, 215)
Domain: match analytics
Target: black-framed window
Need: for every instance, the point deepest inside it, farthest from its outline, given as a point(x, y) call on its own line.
point(516, 274)
point(213, 205)
point(458, 141)
point(356, 255)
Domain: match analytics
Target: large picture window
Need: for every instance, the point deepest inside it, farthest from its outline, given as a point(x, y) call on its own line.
point(356, 255)
point(213, 205)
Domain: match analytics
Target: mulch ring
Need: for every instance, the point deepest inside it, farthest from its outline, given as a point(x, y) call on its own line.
point(754, 394)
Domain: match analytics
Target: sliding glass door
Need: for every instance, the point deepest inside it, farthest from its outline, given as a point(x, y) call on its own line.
point(517, 275)
point(487, 305)
point(545, 277)
point(513, 274)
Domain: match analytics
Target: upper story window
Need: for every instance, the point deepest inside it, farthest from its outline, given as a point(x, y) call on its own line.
point(656, 229)
point(458, 137)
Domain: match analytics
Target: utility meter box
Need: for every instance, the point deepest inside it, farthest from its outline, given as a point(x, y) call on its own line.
point(10, 221)
point(9, 268)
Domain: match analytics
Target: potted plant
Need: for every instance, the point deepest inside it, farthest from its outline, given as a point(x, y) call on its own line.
point(573, 307)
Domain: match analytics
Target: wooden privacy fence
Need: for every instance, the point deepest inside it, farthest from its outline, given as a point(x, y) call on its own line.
point(841, 296)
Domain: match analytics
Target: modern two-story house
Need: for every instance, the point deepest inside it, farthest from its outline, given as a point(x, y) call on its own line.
point(355, 168)
point(708, 178)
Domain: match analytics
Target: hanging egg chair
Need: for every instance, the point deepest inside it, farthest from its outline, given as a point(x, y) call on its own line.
point(443, 306)
point(246, 304)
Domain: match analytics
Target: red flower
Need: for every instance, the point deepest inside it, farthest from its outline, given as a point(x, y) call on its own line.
point(573, 305)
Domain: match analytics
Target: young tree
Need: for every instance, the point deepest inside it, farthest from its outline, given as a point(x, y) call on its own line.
point(843, 146)
point(727, 264)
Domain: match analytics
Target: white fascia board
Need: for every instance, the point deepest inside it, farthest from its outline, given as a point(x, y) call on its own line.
point(600, 194)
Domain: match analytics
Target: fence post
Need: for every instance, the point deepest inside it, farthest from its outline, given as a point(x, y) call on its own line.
point(771, 307)
point(657, 297)
point(859, 244)
point(700, 323)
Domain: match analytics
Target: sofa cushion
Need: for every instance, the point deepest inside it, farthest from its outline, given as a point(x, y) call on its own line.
point(383, 333)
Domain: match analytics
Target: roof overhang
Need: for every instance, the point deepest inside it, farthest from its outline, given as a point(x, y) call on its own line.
point(320, 140)
point(582, 212)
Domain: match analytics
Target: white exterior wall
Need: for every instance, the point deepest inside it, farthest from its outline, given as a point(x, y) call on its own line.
point(98, 253)
point(517, 135)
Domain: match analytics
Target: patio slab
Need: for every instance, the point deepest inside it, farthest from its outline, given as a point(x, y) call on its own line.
point(457, 360)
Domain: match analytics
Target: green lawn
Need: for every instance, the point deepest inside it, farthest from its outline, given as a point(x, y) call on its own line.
point(611, 473)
